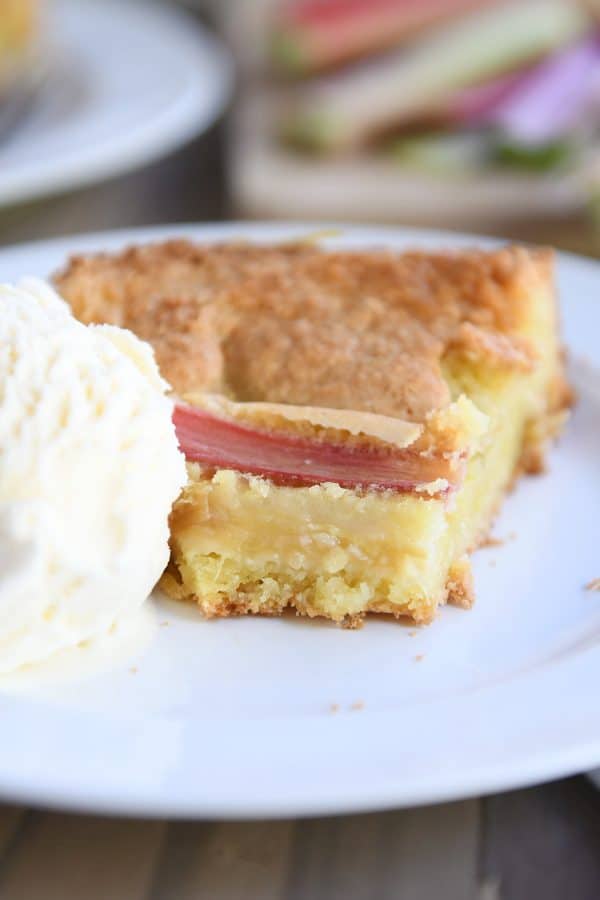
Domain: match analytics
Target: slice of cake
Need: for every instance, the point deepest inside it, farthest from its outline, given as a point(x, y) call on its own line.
point(352, 419)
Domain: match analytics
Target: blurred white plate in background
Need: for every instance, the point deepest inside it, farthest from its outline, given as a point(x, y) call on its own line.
point(255, 717)
point(127, 83)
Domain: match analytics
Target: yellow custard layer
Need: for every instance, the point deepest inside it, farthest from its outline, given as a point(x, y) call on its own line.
point(241, 544)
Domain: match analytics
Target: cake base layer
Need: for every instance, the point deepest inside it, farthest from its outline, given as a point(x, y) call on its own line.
point(243, 545)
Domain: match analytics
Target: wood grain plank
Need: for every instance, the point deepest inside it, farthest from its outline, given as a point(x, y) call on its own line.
point(187, 186)
point(11, 819)
point(544, 842)
point(489, 890)
point(224, 861)
point(62, 857)
point(416, 854)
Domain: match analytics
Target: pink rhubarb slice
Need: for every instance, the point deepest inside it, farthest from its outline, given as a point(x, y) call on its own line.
point(290, 460)
point(315, 34)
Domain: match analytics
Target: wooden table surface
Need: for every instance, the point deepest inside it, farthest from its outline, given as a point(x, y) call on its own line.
point(543, 842)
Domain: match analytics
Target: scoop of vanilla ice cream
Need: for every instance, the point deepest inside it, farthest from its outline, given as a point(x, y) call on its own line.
point(89, 469)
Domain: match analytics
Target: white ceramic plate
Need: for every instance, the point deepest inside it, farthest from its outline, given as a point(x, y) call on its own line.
point(127, 82)
point(256, 717)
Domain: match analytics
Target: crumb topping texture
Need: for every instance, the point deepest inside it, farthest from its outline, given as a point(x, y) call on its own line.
point(366, 330)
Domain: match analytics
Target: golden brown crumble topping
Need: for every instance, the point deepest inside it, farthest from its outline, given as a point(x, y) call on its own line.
point(293, 323)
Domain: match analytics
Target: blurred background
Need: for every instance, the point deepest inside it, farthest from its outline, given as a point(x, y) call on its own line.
point(473, 114)
point(477, 115)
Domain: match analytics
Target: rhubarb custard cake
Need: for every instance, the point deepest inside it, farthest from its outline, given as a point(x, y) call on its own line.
point(352, 419)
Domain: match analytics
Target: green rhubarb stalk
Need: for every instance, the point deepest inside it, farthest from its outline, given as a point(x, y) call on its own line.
point(346, 110)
